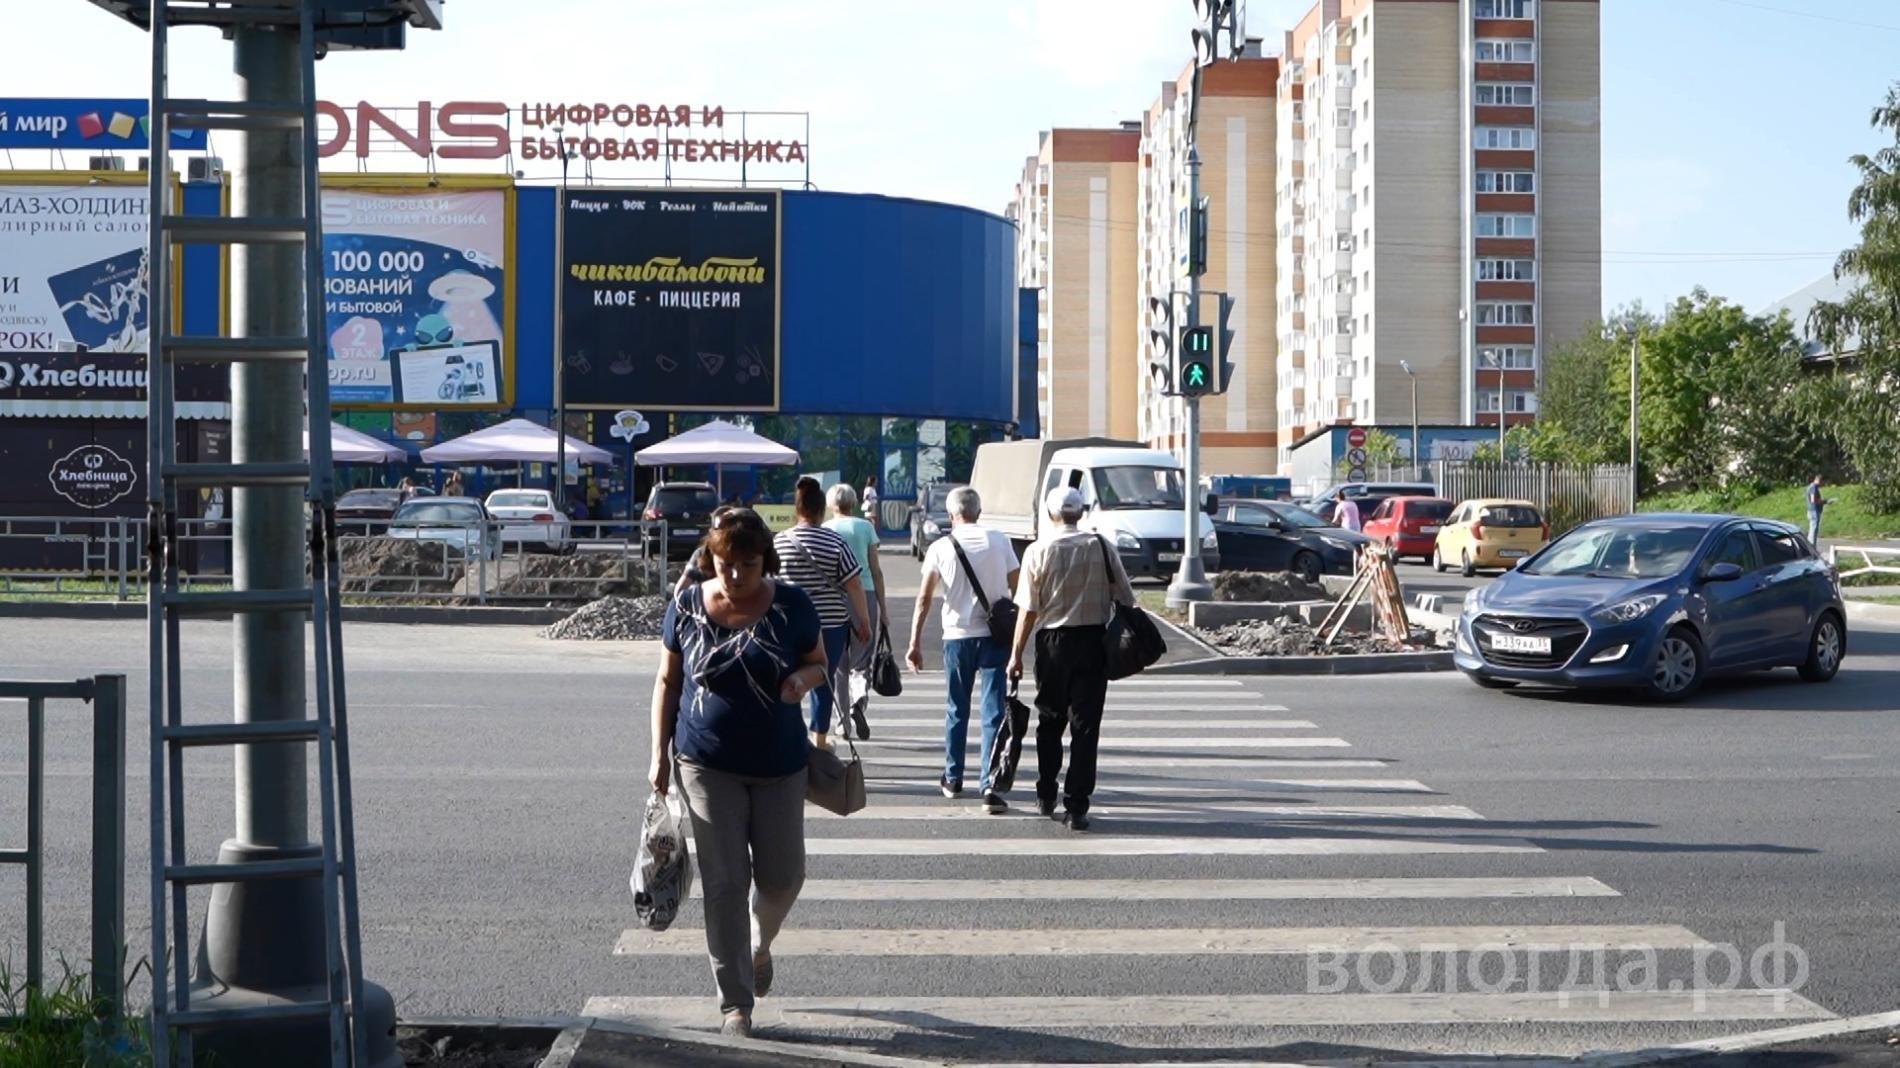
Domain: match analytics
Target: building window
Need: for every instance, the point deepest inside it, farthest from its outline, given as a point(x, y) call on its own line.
point(1509, 137)
point(1507, 9)
point(1507, 182)
point(1342, 118)
point(1512, 95)
point(1522, 402)
point(1507, 226)
point(1510, 357)
point(1501, 314)
point(1507, 50)
point(1502, 270)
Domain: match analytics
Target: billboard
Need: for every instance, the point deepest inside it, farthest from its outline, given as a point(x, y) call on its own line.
point(419, 293)
point(670, 299)
point(97, 125)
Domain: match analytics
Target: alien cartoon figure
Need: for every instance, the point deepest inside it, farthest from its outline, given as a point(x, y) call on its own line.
point(432, 329)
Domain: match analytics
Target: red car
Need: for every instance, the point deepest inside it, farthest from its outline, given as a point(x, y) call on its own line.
point(1409, 525)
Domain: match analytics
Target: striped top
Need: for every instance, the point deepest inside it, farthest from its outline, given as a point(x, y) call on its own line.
point(819, 562)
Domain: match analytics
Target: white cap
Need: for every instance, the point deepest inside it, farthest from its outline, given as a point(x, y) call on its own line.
point(1063, 499)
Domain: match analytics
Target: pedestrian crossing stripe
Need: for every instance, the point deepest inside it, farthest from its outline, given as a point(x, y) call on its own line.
point(906, 726)
point(1139, 741)
point(1169, 941)
point(1190, 787)
point(1095, 1013)
point(1236, 762)
point(1186, 811)
point(1160, 845)
point(1427, 888)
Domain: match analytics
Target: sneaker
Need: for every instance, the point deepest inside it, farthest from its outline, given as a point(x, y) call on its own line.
point(994, 805)
point(1077, 821)
point(952, 790)
point(1045, 806)
point(858, 720)
point(761, 973)
point(738, 1024)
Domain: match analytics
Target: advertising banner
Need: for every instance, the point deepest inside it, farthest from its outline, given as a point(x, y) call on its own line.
point(670, 299)
point(73, 320)
point(417, 296)
point(99, 125)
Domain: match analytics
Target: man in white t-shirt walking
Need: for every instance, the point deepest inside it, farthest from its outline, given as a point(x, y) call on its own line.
point(973, 657)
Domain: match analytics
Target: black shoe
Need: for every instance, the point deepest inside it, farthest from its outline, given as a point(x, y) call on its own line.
point(952, 790)
point(1077, 821)
point(857, 719)
point(1045, 806)
point(994, 805)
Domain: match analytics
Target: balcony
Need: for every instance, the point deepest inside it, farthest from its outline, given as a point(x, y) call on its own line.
point(1342, 264)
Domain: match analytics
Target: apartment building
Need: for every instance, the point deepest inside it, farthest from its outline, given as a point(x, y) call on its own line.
point(1236, 139)
point(1074, 209)
point(1439, 204)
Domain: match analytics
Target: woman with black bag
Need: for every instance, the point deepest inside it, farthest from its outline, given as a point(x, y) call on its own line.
point(742, 651)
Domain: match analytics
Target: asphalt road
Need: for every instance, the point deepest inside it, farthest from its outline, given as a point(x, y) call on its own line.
point(499, 777)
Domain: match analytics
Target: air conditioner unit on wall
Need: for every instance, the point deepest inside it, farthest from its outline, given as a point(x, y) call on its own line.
point(204, 169)
point(104, 163)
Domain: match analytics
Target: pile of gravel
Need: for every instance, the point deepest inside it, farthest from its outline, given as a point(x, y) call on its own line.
point(612, 619)
point(1293, 637)
point(572, 578)
point(398, 565)
point(1278, 587)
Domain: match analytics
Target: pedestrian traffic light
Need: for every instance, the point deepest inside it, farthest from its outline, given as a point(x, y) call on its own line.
point(1161, 338)
point(1197, 239)
point(1197, 361)
point(1224, 366)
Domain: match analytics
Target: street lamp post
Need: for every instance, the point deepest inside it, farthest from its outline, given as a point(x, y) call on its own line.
point(1634, 338)
point(560, 358)
point(1418, 466)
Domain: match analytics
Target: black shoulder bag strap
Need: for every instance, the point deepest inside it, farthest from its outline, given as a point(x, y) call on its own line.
point(969, 570)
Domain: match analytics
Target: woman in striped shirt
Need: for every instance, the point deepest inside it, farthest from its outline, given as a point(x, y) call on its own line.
point(819, 562)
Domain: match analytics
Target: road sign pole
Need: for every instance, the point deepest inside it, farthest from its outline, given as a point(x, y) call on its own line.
point(1190, 581)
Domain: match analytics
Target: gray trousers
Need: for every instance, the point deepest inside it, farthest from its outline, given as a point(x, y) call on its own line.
point(750, 836)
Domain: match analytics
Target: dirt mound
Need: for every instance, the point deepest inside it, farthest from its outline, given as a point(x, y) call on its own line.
point(612, 619)
point(573, 577)
point(1292, 637)
point(398, 565)
point(1278, 587)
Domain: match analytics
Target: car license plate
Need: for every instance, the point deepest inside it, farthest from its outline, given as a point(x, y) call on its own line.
point(1428, 530)
point(1168, 558)
point(686, 531)
point(1512, 554)
point(1519, 643)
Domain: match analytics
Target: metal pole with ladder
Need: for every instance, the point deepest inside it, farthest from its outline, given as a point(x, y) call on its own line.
point(264, 983)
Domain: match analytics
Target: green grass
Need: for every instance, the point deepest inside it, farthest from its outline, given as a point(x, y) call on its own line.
point(1845, 520)
point(59, 1026)
point(1155, 602)
point(1878, 600)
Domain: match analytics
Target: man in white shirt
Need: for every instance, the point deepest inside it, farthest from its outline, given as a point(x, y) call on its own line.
point(1346, 513)
point(972, 655)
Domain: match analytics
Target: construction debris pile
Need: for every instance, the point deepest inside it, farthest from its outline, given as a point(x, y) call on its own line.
point(398, 565)
point(612, 619)
point(1279, 587)
point(572, 578)
point(1293, 637)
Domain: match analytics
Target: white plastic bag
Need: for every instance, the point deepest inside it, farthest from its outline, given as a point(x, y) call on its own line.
point(662, 876)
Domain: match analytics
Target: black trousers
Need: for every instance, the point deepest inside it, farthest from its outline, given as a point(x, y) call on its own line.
point(1071, 687)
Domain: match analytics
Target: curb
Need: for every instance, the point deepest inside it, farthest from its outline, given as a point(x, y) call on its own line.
point(1350, 664)
point(398, 614)
point(1865, 612)
point(567, 1033)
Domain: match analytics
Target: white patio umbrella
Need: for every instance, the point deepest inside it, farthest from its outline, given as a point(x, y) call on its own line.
point(515, 441)
point(717, 443)
point(355, 447)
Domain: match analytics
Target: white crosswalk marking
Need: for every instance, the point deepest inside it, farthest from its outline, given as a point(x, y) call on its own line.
point(1108, 809)
point(1111, 742)
point(1202, 889)
point(932, 726)
point(1108, 845)
point(1113, 760)
point(1194, 788)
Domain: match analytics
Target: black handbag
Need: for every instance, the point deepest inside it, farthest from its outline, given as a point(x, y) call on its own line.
point(1133, 641)
point(1006, 752)
point(1002, 612)
point(886, 679)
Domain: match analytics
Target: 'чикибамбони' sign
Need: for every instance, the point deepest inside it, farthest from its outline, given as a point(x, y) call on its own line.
point(670, 299)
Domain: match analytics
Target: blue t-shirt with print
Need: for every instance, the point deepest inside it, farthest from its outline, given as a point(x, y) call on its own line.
point(730, 716)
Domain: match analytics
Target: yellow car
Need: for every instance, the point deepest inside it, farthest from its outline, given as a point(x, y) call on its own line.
point(1491, 532)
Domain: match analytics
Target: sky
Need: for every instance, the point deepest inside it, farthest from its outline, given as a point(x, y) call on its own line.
point(1727, 124)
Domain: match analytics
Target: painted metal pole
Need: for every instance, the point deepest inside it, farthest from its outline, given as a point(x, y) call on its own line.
point(560, 358)
point(1190, 580)
point(108, 847)
point(1634, 365)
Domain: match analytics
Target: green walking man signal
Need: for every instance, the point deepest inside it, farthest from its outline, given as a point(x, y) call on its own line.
point(1197, 361)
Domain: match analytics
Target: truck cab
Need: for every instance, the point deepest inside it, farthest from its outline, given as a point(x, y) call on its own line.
point(1134, 498)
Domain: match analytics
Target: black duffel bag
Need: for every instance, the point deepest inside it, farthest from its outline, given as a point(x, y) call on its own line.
point(1133, 641)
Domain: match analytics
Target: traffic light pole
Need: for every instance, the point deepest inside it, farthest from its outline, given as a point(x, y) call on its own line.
point(1190, 581)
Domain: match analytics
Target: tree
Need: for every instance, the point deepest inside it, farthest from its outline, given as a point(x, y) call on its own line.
point(1861, 401)
point(1586, 384)
point(1383, 450)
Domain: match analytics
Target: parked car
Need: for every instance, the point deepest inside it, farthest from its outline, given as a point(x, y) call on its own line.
point(1367, 495)
point(1408, 525)
point(686, 508)
point(461, 523)
point(528, 517)
point(929, 518)
point(1657, 603)
point(367, 511)
point(1276, 536)
point(1489, 532)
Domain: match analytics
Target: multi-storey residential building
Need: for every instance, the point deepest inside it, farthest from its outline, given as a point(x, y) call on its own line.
point(1236, 135)
point(1075, 215)
point(1439, 203)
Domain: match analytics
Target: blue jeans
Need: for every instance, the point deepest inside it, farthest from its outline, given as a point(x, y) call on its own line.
point(968, 662)
point(820, 701)
point(1814, 528)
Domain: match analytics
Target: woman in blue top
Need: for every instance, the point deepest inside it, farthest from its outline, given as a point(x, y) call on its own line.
point(742, 651)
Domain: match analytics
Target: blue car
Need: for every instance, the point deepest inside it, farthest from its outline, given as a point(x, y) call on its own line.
point(1657, 603)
